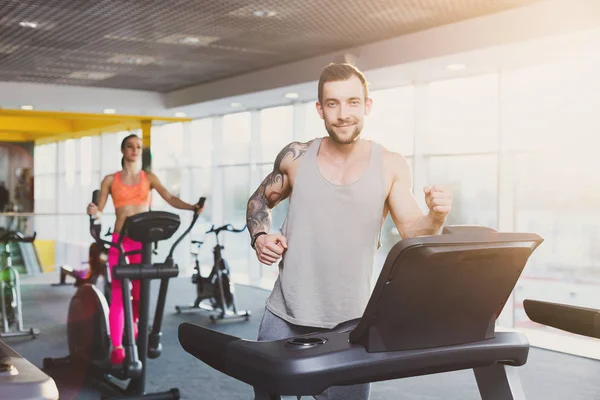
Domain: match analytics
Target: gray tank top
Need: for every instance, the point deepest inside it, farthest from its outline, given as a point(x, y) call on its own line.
point(333, 232)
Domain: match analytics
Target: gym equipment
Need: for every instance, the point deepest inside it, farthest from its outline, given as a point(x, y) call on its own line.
point(87, 329)
point(579, 320)
point(10, 289)
point(24, 255)
point(21, 380)
point(216, 288)
point(96, 273)
point(433, 309)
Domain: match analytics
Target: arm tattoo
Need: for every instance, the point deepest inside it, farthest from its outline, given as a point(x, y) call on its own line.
point(271, 191)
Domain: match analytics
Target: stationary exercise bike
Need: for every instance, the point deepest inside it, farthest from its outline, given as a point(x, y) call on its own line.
point(88, 331)
point(10, 289)
point(216, 288)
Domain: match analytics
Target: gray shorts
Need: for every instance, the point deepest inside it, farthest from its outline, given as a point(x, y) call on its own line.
point(274, 328)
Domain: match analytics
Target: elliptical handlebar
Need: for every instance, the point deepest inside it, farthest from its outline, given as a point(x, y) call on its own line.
point(95, 229)
point(14, 236)
point(194, 219)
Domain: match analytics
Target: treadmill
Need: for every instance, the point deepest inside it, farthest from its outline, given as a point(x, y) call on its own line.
point(433, 309)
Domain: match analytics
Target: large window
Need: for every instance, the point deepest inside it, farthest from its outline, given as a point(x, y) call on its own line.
point(200, 185)
point(167, 146)
point(45, 193)
point(276, 131)
point(45, 158)
point(552, 107)
point(391, 120)
point(549, 123)
point(462, 116)
point(86, 161)
point(69, 163)
point(473, 180)
point(235, 141)
point(558, 201)
point(236, 194)
point(200, 150)
point(313, 125)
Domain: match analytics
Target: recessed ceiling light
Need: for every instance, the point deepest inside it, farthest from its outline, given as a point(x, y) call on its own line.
point(109, 111)
point(236, 105)
point(264, 13)
point(292, 95)
point(28, 24)
point(456, 67)
point(131, 59)
point(189, 40)
point(93, 75)
point(27, 107)
point(180, 114)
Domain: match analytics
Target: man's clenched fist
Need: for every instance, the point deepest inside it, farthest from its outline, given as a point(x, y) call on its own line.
point(269, 248)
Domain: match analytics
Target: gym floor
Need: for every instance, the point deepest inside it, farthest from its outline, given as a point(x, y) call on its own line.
point(547, 375)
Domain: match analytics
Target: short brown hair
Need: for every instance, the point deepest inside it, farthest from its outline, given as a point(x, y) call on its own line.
point(341, 72)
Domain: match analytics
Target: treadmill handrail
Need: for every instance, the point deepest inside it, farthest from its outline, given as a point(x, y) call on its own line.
point(579, 320)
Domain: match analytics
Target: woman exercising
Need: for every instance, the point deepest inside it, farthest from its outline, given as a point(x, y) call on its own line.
point(130, 189)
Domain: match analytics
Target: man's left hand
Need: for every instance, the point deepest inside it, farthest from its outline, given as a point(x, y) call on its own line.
point(439, 200)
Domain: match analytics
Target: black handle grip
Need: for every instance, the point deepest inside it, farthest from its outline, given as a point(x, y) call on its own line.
point(201, 202)
point(95, 195)
point(30, 239)
point(95, 229)
point(226, 227)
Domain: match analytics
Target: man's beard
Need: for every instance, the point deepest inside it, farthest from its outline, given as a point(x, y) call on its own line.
point(346, 140)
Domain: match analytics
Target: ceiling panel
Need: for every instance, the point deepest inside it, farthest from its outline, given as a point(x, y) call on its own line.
point(162, 45)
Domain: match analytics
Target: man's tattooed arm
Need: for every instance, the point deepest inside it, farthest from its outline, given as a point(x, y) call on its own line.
point(273, 189)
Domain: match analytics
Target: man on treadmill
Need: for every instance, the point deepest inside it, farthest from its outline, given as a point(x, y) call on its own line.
point(341, 190)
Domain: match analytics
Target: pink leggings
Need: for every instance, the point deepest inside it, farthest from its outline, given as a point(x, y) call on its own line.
point(116, 317)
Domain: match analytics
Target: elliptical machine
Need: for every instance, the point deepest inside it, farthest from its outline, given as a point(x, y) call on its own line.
point(88, 331)
point(11, 307)
point(216, 288)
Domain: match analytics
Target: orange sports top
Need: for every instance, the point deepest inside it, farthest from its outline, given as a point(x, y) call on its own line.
point(125, 195)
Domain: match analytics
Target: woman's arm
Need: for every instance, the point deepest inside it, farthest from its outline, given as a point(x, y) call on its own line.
point(102, 196)
point(173, 201)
